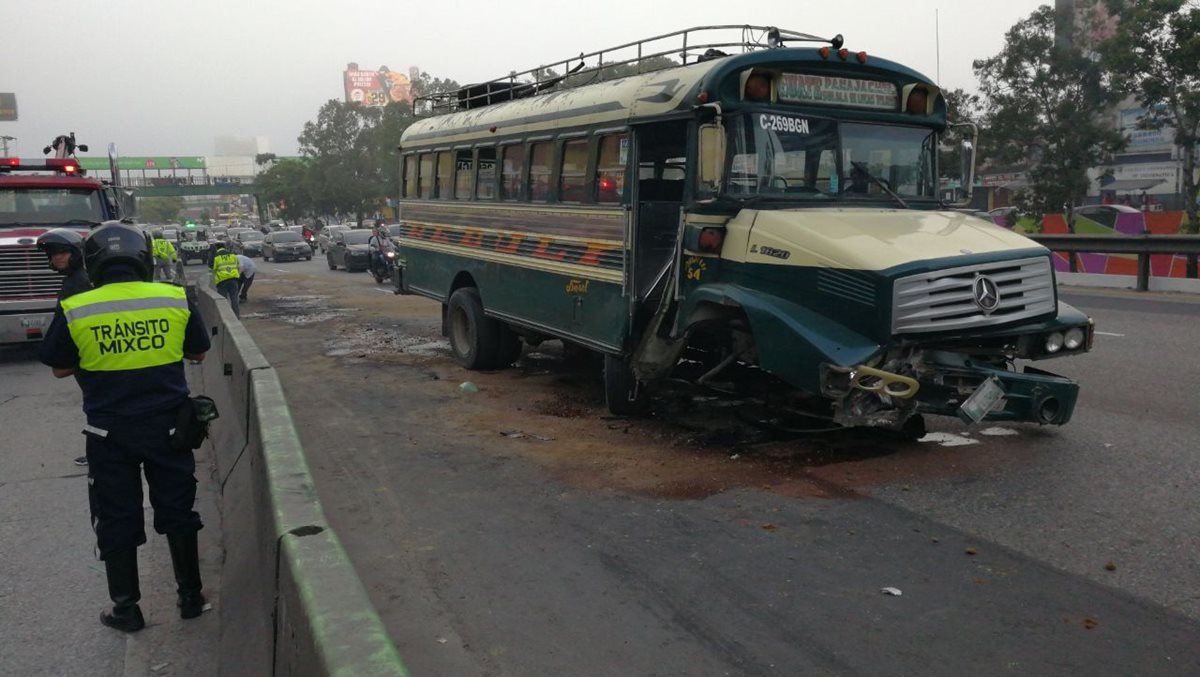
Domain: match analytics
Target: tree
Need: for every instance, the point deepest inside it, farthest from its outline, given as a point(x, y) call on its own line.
point(1045, 106)
point(1155, 54)
point(427, 85)
point(285, 184)
point(160, 209)
point(347, 174)
point(962, 107)
point(264, 158)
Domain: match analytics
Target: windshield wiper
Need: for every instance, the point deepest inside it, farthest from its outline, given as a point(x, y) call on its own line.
point(80, 222)
point(862, 167)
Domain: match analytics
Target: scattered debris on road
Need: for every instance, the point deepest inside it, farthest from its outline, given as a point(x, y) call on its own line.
point(517, 434)
point(894, 592)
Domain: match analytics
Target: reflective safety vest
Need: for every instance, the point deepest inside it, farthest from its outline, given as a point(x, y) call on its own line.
point(163, 250)
point(128, 325)
point(224, 268)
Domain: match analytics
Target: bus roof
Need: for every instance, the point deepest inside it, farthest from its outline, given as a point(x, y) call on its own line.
point(644, 97)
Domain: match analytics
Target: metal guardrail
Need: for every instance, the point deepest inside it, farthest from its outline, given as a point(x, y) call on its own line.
point(1143, 245)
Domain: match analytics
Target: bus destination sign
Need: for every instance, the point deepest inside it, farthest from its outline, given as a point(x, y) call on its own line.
point(835, 91)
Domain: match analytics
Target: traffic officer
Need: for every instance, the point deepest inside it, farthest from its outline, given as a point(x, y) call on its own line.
point(64, 252)
point(164, 256)
point(63, 248)
point(226, 277)
point(125, 341)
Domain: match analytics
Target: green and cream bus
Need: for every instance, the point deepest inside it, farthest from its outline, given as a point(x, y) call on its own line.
point(771, 203)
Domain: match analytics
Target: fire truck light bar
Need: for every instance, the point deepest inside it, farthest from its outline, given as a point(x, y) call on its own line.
point(61, 165)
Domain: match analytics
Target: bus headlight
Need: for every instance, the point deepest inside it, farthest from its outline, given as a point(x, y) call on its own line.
point(1074, 338)
point(1054, 342)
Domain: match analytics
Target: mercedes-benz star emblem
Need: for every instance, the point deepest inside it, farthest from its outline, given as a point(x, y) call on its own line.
point(986, 293)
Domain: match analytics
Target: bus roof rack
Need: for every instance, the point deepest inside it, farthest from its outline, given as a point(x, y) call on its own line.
point(690, 45)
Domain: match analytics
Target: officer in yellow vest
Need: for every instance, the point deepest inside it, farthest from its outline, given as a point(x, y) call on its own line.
point(226, 277)
point(125, 342)
point(164, 257)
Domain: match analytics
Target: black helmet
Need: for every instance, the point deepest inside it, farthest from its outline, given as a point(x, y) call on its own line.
point(63, 239)
point(115, 243)
point(157, 233)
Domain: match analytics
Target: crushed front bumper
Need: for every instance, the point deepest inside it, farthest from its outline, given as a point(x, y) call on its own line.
point(1031, 395)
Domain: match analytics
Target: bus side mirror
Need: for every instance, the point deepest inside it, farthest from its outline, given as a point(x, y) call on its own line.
point(967, 160)
point(712, 155)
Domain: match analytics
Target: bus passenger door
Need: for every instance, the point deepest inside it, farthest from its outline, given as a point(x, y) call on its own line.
point(660, 171)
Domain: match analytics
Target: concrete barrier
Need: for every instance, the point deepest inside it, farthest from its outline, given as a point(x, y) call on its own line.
point(291, 602)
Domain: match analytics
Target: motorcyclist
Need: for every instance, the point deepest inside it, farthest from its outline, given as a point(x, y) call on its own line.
point(381, 246)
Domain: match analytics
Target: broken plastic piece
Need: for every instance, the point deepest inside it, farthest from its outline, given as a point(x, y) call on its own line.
point(468, 387)
point(894, 592)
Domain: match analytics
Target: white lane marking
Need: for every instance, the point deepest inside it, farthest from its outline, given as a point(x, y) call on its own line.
point(279, 270)
point(385, 291)
point(1105, 333)
point(948, 439)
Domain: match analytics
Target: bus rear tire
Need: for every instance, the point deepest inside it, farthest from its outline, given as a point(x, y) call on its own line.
point(623, 394)
point(474, 337)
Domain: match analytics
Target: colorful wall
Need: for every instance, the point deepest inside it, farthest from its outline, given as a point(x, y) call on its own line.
point(1116, 224)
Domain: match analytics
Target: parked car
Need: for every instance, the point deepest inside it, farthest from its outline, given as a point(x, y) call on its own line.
point(349, 249)
point(326, 235)
point(284, 245)
point(247, 242)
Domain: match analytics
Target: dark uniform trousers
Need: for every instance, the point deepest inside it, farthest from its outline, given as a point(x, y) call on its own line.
point(115, 484)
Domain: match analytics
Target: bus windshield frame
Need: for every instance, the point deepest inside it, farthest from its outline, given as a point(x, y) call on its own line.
point(786, 156)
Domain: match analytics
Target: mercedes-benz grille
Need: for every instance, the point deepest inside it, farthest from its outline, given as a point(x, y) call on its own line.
point(969, 297)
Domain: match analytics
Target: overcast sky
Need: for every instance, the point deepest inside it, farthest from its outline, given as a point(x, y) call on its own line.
point(165, 77)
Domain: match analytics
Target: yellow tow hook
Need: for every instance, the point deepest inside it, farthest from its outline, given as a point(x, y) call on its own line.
point(885, 382)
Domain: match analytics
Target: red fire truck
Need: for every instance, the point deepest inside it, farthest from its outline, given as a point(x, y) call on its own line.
point(36, 196)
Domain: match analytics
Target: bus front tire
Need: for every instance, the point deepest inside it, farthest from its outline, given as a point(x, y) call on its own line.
point(623, 394)
point(474, 337)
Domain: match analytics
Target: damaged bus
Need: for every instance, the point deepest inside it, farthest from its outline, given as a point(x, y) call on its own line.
point(769, 205)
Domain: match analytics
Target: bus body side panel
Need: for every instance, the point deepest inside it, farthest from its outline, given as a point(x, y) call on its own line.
point(555, 270)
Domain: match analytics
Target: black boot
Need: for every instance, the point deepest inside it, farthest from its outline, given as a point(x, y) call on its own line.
point(122, 571)
point(185, 559)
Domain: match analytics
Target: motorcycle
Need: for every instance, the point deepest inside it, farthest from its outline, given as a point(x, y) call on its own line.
point(383, 264)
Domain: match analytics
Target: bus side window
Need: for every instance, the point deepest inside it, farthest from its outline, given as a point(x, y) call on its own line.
point(445, 174)
point(539, 171)
point(610, 170)
point(485, 185)
point(514, 170)
point(464, 173)
point(410, 176)
point(425, 178)
point(573, 174)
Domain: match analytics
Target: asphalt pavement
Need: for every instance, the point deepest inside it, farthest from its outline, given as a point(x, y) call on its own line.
point(52, 587)
point(1015, 549)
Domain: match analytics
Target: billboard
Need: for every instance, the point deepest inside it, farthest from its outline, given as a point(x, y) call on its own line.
point(1141, 139)
point(376, 88)
point(8, 107)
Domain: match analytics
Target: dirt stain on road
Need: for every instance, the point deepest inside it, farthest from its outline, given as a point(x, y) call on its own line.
point(549, 410)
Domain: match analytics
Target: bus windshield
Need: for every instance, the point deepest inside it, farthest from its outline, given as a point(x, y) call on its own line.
point(796, 157)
